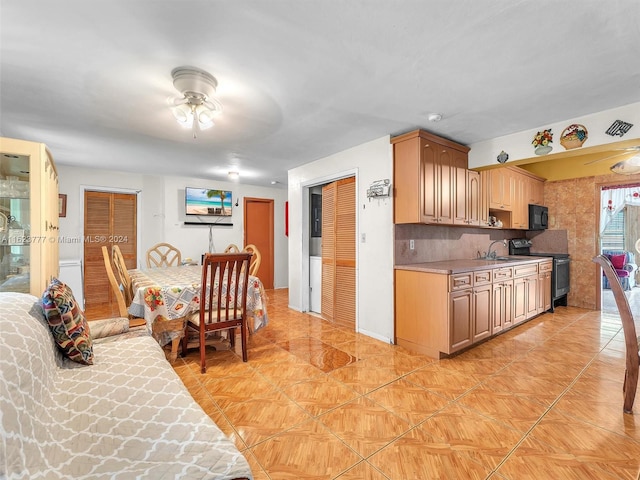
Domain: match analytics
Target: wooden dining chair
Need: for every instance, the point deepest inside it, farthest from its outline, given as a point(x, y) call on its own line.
point(122, 274)
point(223, 301)
point(115, 286)
point(163, 255)
point(232, 248)
point(631, 339)
point(255, 261)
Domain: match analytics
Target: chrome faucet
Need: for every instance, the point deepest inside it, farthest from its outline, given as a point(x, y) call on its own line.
point(489, 253)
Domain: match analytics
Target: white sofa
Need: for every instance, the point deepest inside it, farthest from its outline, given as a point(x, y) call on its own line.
point(126, 416)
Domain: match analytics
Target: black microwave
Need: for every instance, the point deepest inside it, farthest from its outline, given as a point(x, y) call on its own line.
point(538, 217)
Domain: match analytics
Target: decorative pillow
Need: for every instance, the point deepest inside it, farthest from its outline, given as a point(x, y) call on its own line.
point(67, 323)
point(618, 261)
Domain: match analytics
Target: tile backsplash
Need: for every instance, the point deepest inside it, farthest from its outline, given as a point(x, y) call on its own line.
point(433, 243)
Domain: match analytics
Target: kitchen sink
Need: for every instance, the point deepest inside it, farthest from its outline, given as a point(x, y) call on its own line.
point(497, 259)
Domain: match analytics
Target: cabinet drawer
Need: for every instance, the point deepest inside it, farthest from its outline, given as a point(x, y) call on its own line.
point(502, 274)
point(545, 266)
point(482, 278)
point(524, 270)
point(460, 281)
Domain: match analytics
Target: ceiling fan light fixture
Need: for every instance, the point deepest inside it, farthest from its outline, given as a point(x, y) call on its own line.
point(629, 166)
point(197, 107)
point(183, 115)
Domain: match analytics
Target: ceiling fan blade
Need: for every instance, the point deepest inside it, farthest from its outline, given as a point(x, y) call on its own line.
point(622, 152)
point(606, 158)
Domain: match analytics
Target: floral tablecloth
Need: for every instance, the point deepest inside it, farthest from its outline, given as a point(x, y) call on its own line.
point(174, 292)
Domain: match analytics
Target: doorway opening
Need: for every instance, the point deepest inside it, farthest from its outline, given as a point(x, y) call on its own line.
point(619, 240)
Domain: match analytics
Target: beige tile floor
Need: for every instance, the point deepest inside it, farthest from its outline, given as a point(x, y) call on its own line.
point(314, 401)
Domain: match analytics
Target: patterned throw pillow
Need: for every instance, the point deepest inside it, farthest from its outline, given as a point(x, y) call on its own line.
point(67, 323)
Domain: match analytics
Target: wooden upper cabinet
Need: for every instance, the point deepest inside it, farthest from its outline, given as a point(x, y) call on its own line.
point(501, 189)
point(467, 197)
point(535, 191)
point(424, 177)
point(520, 206)
point(512, 189)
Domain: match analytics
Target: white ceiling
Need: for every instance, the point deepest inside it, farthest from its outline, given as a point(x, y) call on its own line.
point(302, 79)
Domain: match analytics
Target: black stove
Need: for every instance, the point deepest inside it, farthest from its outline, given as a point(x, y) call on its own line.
point(560, 279)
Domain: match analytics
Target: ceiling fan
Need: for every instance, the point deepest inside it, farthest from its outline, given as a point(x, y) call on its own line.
point(629, 165)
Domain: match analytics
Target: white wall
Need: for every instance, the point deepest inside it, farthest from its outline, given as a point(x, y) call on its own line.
point(518, 145)
point(161, 213)
point(374, 263)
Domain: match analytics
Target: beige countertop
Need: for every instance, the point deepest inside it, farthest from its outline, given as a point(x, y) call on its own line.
point(467, 265)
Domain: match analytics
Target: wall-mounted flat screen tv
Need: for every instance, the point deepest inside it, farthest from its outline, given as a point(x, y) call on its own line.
point(204, 201)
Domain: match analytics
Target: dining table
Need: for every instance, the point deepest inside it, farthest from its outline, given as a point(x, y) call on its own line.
point(171, 294)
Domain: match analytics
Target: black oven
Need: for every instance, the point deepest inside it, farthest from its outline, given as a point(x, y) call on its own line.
point(560, 275)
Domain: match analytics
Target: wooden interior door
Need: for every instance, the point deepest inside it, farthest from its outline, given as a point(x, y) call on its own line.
point(258, 230)
point(109, 219)
point(338, 302)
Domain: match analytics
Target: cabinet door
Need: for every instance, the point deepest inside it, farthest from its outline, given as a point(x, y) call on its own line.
point(520, 206)
point(445, 185)
point(497, 315)
point(460, 203)
point(502, 306)
point(474, 203)
point(430, 171)
point(481, 312)
point(532, 296)
point(507, 304)
point(407, 178)
point(460, 327)
point(484, 198)
point(519, 300)
point(501, 189)
point(544, 292)
point(535, 189)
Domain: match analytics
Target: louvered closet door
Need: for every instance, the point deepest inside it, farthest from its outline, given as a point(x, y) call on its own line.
point(328, 250)
point(339, 252)
point(110, 219)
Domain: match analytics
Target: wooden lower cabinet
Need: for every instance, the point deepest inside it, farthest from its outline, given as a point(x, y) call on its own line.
point(544, 286)
point(525, 298)
point(482, 311)
point(502, 303)
point(460, 320)
point(479, 304)
point(420, 299)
